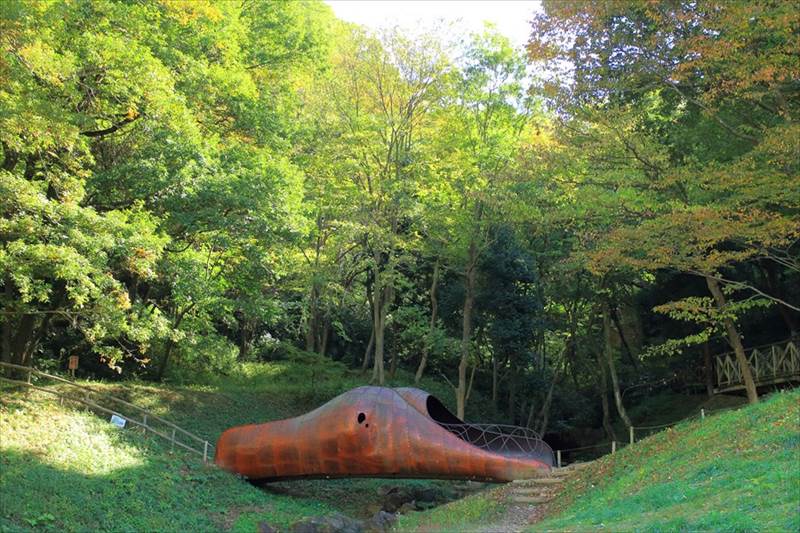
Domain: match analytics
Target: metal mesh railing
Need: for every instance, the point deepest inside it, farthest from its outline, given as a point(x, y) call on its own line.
point(503, 439)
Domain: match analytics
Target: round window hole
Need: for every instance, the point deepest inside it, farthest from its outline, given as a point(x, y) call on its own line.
point(361, 417)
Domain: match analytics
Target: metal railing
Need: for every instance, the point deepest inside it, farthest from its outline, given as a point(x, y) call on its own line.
point(171, 433)
point(504, 439)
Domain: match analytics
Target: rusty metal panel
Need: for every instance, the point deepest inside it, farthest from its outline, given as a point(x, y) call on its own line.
point(381, 432)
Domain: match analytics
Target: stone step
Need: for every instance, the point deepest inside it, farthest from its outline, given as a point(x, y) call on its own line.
point(577, 466)
point(530, 490)
point(535, 500)
point(547, 481)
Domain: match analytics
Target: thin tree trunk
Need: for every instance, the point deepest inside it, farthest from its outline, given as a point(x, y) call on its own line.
point(708, 370)
point(735, 341)
point(466, 329)
point(432, 327)
point(512, 394)
point(609, 352)
point(495, 380)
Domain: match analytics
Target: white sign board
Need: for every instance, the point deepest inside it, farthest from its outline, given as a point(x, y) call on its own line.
point(118, 421)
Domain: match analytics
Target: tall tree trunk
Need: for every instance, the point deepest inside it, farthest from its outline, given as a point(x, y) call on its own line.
point(368, 351)
point(162, 368)
point(512, 393)
point(735, 341)
point(623, 414)
point(377, 365)
point(529, 420)
point(466, 328)
point(708, 369)
point(312, 321)
point(394, 361)
point(432, 327)
point(544, 414)
point(382, 300)
point(243, 339)
point(7, 320)
point(604, 399)
point(322, 349)
point(625, 344)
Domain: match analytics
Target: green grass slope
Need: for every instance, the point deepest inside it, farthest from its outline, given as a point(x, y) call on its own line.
point(65, 468)
point(735, 471)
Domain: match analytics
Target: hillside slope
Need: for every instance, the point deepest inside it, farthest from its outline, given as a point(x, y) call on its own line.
point(735, 471)
point(65, 468)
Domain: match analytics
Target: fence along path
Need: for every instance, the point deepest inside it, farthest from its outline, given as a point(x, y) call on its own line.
point(614, 445)
point(176, 435)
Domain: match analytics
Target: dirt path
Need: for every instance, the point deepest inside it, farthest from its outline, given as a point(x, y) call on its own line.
point(517, 518)
point(528, 500)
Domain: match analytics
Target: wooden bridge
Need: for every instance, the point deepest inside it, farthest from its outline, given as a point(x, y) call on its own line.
point(770, 364)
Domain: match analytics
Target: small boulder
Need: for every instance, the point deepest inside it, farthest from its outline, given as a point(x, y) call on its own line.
point(263, 527)
point(395, 497)
point(334, 523)
point(381, 521)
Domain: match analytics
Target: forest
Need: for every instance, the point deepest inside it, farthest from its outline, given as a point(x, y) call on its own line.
point(555, 232)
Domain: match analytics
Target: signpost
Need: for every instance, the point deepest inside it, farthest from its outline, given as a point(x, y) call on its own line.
point(73, 364)
point(118, 421)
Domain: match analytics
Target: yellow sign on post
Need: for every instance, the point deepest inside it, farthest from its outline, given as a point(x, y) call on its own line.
point(73, 364)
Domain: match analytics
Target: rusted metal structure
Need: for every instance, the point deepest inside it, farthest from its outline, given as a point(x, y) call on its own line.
point(382, 432)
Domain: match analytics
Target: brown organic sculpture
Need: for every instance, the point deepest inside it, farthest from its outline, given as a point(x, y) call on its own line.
point(382, 432)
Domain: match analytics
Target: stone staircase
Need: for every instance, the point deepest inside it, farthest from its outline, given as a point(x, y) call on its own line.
point(538, 491)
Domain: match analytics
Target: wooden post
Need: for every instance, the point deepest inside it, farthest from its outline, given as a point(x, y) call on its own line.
point(205, 451)
point(30, 370)
point(630, 434)
point(558, 458)
point(613, 446)
point(144, 424)
point(702, 414)
point(172, 449)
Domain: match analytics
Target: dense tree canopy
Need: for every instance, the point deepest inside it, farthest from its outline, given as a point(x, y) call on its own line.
point(186, 185)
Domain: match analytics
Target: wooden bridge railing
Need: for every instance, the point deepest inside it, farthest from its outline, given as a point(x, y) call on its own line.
point(772, 363)
point(90, 397)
